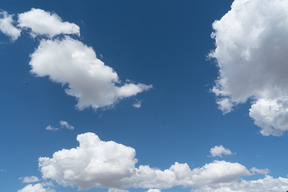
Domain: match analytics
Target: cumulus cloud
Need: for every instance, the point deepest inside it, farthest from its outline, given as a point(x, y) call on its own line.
point(267, 184)
point(219, 151)
point(93, 163)
point(31, 179)
point(65, 124)
point(97, 163)
point(76, 67)
point(7, 27)
point(36, 188)
point(260, 171)
point(41, 22)
point(252, 59)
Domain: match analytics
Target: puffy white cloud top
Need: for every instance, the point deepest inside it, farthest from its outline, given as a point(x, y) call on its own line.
point(219, 151)
point(7, 27)
point(93, 163)
point(97, 163)
point(70, 62)
point(45, 23)
point(251, 52)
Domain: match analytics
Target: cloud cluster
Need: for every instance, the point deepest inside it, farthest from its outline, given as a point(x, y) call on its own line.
point(70, 62)
point(41, 22)
point(97, 163)
point(219, 151)
point(267, 184)
point(7, 27)
point(252, 59)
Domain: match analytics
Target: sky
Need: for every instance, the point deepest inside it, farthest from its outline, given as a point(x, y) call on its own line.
point(144, 96)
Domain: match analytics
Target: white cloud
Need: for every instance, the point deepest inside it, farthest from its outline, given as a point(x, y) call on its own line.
point(76, 66)
point(97, 163)
point(219, 151)
point(137, 104)
point(7, 27)
point(153, 190)
point(252, 59)
point(260, 171)
point(267, 184)
point(45, 23)
point(50, 128)
point(31, 179)
point(36, 188)
point(93, 163)
point(65, 124)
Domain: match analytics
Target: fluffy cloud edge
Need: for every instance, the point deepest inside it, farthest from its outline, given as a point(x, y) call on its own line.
point(7, 27)
point(52, 26)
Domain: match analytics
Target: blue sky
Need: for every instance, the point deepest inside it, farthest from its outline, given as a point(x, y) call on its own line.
point(216, 103)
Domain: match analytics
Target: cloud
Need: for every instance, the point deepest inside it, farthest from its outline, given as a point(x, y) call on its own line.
point(31, 179)
point(97, 163)
point(41, 22)
point(153, 190)
point(84, 76)
point(260, 171)
point(117, 190)
point(252, 60)
point(50, 128)
point(268, 184)
point(93, 163)
point(36, 188)
point(7, 27)
point(65, 124)
point(137, 104)
point(219, 151)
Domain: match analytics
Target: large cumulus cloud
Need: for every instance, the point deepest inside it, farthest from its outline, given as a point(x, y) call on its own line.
point(97, 163)
point(251, 52)
point(72, 63)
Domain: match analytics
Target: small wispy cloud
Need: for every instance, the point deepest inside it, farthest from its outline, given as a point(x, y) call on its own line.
point(260, 171)
point(63, 125)
point(137, 104)
point(50, 128)
point(29, 179)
